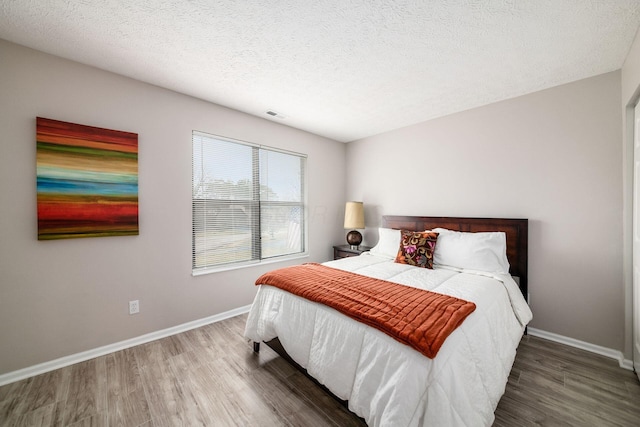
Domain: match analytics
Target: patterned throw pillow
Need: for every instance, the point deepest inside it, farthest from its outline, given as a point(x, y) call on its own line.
point(416, 248)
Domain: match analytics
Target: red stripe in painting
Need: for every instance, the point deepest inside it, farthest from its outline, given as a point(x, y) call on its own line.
point(97, 211)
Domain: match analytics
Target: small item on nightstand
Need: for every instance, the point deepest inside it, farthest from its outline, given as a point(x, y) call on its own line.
point(344, 251)
point(354, 218)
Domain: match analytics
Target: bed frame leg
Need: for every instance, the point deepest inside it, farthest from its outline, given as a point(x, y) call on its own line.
point(256, 347)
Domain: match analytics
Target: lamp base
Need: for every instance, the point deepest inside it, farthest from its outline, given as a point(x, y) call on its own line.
point(354, 238)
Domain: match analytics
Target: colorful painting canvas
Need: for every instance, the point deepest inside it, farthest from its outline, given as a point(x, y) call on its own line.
point(87, 181)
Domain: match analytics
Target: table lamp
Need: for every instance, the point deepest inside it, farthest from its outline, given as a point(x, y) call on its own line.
point(354, 218)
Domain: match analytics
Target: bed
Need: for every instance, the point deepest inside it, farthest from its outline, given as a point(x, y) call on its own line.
point(387, 382)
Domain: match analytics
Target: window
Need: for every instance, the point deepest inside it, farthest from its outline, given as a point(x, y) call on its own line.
point(247, 201)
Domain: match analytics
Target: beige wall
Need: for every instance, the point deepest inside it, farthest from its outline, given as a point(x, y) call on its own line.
point(554, 157)
point(62, 297)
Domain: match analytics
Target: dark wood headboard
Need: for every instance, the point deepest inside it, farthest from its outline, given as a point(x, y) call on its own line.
point(517, 231)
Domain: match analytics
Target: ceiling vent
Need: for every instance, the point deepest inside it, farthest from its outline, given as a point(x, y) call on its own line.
point(276, 114)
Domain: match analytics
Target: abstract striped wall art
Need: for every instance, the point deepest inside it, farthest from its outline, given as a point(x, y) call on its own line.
point(87, 181)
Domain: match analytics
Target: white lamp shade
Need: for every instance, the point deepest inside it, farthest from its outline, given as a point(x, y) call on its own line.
point(354, 215)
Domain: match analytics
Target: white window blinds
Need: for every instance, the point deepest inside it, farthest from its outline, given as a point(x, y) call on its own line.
point(247, 202)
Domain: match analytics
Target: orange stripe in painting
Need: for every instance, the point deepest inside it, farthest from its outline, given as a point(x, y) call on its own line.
point(76, 142)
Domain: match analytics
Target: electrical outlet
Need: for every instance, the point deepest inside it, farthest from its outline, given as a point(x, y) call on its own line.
point(134, 307)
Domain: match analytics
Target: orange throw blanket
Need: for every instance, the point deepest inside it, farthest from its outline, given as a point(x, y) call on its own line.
point(415, 317)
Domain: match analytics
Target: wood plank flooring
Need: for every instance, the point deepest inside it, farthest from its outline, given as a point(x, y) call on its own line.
point(553, 384)
point(210, 377)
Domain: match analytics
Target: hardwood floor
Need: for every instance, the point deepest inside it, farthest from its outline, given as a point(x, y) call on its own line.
point(210, 377)
point(553, 384)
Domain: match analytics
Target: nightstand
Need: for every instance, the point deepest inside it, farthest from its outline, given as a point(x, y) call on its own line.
point(344, 251)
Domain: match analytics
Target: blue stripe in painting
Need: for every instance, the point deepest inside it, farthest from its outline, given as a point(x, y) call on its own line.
point(59, 186)
point(79, 175)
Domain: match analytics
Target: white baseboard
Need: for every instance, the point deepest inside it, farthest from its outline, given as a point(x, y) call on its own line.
point(153, 336)
point(602, 351)
point(101, 351)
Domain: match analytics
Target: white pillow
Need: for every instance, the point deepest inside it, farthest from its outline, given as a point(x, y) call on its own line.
point(485, 251)
point(388, 243)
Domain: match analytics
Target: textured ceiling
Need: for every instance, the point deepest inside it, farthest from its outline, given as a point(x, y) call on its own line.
point(344, 69)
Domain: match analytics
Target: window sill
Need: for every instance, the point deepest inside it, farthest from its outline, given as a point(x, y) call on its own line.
point(210, 270)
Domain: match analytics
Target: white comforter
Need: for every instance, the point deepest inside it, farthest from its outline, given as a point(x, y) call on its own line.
point(386, 382)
